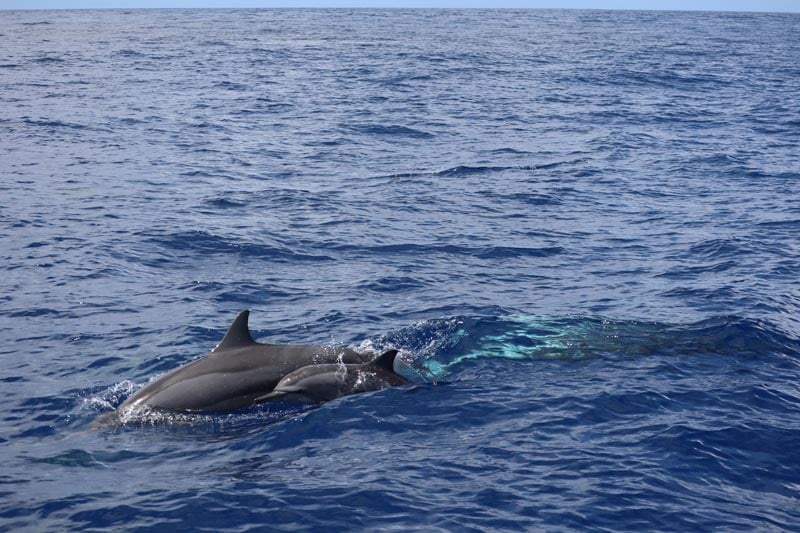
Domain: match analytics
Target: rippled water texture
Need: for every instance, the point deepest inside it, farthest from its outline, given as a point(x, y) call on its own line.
point(579, 228)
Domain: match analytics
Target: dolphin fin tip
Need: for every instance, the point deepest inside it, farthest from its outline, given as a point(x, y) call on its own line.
point(238, 334)
point(385, 360)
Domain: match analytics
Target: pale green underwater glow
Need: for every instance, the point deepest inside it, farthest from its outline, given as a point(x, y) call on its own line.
point(455, 342)
point(533, 337)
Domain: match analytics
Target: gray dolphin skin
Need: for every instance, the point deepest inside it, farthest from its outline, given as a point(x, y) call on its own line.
point(234, 374)
point(322, 383)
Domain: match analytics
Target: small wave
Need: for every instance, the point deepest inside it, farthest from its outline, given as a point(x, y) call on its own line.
point(392, 284)
point(391, 130)
point(505, 252)
point(793, 224)
point(666, 80)
point(206, 243)
point(692, 272)
point(129, 53)
point(207, 126)
point(72, 458)
point(482, 252)
point(48, 60)
point(468, 170)
point(699, 293)
point(247, 294)
point(716, 248)
point(527, 198)
point(224, 203)
point(231, 86)
point(76, 458)
point(215, 43)
point(39, 311)
point(43, 123)
point(511, 151)
point(268, 105)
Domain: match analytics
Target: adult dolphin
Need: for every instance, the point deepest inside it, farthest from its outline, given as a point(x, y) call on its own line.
point(234, 374)
point(322, 383)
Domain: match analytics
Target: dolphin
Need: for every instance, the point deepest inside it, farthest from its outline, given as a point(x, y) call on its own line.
point(324, 382)
point(234, 374)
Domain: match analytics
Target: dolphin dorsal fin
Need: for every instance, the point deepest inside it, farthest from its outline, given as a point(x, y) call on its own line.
point(385, 360)
point(238, 334)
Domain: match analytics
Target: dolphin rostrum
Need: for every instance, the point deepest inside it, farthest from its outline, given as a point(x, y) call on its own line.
point(324, 382)
point(233, 374)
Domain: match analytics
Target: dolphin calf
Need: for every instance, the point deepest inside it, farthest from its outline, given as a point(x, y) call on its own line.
point(234, 374)
point(324, 382)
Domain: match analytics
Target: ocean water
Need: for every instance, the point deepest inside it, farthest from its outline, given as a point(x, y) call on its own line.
point(581, 229)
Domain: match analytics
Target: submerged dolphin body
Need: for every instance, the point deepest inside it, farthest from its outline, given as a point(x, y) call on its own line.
point(233, 374)
point(322, 383)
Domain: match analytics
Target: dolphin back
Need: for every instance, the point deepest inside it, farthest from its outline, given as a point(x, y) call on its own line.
point(235, 373)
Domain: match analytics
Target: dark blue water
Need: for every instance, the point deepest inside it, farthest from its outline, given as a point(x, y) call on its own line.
point(581, 229)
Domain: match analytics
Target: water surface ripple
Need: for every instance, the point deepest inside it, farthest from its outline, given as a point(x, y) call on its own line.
point(579, 227)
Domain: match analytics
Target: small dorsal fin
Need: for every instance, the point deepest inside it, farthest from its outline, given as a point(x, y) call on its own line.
point(385, 360)
point(238, 334)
